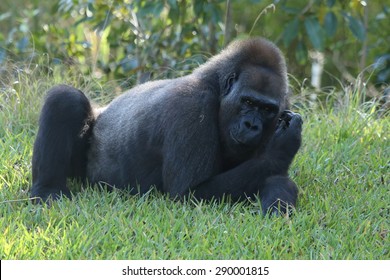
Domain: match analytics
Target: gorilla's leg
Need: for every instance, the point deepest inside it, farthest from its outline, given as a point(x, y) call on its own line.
point(279, 195)
point(60, 149)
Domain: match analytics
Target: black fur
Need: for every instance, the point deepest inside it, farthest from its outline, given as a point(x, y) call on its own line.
point(62, 141)
point(222, 130)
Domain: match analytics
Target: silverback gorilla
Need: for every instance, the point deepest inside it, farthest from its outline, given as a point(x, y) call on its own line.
point(223, 130)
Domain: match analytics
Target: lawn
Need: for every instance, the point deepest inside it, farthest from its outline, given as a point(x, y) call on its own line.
point(342, 171)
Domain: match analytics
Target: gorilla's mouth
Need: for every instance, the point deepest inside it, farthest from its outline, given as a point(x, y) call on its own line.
point(243, 144)
point(236, 140)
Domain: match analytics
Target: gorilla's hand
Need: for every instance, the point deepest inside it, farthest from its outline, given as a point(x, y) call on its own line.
point(287, 137)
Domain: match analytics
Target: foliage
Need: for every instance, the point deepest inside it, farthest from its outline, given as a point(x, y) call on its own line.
point(134, 40)
point(145, 35)
point(341, 171)
point(122, 38)
point(353, 35)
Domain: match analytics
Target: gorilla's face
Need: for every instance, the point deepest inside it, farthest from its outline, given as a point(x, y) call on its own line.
point(249, 111)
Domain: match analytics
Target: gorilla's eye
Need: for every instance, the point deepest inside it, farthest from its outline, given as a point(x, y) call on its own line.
point(249, 102)
point(269, 110)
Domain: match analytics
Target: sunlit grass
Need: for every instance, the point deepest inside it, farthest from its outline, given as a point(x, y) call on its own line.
point(342, 171)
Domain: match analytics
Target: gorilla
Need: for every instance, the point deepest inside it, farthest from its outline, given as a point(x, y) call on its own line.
point(223, 130)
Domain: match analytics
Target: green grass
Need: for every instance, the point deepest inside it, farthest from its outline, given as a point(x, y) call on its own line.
point(343, 212)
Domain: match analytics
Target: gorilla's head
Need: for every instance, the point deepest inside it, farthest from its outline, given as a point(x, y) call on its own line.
point(253, 95)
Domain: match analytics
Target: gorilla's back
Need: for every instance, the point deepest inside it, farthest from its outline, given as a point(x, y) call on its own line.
point(125, 128)
point(122, 129)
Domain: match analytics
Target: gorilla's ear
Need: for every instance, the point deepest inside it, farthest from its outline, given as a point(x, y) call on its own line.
point(229, 81)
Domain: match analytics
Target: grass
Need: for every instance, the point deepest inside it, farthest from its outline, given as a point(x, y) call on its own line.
point(342, 171)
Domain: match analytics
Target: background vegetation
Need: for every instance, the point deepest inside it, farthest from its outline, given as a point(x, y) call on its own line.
point(103, 47)
point(123, 39)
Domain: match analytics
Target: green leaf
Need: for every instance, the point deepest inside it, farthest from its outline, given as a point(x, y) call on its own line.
point(152, 8)
point(172, 4)
point(290, 10)
point(315, 33)
point(301, 53)
point(330, 24)
point(129, 64)
point(198, 8)
point(5, 16)
point(174, 13)
point(22, 44)
point(291, 32)
point(214, 12)
point(330, 3)
point(356, 27)
point(3, 55)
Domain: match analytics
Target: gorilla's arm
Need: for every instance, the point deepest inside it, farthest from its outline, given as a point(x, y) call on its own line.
point(244, 180)
point(250, 177)
point(200, 168)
